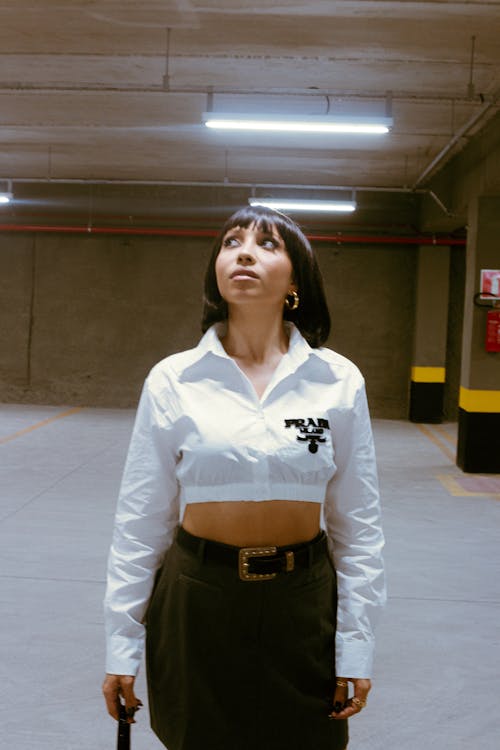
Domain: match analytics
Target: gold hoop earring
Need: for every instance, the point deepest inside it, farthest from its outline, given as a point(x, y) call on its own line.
point(292, 305)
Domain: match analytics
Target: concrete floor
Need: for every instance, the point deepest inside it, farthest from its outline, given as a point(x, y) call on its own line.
point(438, 657)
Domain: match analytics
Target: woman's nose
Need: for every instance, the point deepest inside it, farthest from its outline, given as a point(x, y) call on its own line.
point(246, 255)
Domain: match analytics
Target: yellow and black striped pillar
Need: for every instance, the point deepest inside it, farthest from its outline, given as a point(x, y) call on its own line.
point(427, 394)
point(478, 448)
point(428, 373)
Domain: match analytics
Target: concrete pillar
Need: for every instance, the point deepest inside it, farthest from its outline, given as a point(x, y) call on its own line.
point(428, 373)
point(478, 447)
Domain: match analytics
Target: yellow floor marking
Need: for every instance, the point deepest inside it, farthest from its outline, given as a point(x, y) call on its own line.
point(433, 438)
point(40, 424)
point(454, 488)
point(450, 483)
point(444, 433)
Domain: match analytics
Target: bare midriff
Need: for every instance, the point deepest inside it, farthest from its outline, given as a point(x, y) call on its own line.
point(254, 524)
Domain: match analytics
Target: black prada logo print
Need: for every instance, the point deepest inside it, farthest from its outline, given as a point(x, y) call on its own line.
point(310, 430)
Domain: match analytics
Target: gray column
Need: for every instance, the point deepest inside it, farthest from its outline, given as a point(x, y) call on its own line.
point(428, 373)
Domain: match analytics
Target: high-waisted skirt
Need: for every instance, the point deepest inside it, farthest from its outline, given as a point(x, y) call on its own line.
point(236, 664)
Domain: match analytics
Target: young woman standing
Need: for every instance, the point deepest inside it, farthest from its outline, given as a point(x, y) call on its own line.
point(247, 543)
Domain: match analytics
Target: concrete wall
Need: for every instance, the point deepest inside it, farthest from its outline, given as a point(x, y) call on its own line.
point(371, 294)
point(83, 318)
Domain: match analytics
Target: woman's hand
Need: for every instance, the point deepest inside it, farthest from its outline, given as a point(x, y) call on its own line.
point(345, 707)
point(116, 685)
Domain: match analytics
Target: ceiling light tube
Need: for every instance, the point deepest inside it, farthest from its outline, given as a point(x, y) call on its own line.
point(298, 123)
point(304, 205)
point(6, 195)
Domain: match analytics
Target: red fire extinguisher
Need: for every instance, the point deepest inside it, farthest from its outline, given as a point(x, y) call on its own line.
point(493, 331)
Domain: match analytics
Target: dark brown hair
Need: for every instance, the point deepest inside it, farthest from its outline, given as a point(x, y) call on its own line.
point(312, 317)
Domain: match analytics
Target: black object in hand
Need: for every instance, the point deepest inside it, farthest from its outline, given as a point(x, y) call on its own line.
point(123, 740)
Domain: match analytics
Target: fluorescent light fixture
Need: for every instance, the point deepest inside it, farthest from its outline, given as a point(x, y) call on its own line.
point(304, 205)
point(6, 195)
point(298, 123)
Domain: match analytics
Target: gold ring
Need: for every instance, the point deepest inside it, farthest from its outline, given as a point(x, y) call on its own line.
point(358, 702)
point(341, 683)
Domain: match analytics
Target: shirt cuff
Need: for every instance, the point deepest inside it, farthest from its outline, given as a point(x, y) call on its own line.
point(354, 659)
point(124, 655)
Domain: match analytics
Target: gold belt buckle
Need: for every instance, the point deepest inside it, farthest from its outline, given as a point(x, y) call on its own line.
point(243, 563)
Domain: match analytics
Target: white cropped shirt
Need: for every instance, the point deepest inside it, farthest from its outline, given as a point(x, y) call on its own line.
point(202, 434)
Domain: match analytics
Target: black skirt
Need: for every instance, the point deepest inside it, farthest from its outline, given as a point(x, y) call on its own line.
point(238, 664)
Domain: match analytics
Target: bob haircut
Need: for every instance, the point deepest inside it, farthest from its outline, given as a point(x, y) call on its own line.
point(312, 317)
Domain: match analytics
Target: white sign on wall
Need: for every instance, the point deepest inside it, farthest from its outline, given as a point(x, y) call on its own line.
point(490, 283)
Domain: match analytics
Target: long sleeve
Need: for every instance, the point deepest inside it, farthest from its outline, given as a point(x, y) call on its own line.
point(353, 525)
point(146, 517)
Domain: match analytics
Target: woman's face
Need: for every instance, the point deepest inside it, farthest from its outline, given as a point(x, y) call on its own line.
point(254, 266)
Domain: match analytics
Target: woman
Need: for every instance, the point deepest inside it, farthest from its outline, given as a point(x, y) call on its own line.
point(244, 449)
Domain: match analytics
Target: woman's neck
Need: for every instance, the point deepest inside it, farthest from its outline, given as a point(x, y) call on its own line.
point(256, 340)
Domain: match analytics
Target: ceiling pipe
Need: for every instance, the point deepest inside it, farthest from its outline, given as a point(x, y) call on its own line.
point(441, 205)
point(444, 155)
point(400, 96)
point(338, 238)
point(212, 183)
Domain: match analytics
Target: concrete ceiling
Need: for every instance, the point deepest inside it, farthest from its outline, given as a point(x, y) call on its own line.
point(102, 91)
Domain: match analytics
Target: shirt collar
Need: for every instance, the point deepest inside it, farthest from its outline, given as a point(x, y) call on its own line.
point(298, 348)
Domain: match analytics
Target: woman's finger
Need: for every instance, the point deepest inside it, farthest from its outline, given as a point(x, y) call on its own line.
point(355, 704)
point(361, 690)
point(132, 703)
point(340, 694)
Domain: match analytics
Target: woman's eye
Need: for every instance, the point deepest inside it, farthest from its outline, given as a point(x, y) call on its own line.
point(230, 242)
point(269, 244)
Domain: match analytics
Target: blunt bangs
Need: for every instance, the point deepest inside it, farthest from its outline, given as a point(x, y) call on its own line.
point(265, 219)
point(312, 317)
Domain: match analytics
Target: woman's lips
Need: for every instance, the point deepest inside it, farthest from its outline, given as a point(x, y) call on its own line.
point(241, 274)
